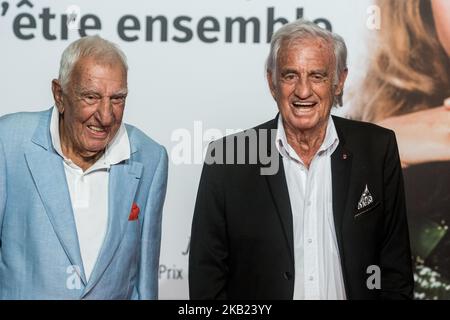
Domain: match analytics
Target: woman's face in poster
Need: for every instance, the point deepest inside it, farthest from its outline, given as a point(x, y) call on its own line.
point(441, 14)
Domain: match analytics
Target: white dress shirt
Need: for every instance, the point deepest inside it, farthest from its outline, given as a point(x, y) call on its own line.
point(318, 272)
point(89, 192)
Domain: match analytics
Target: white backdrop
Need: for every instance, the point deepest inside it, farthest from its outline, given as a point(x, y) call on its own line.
point(175, 87)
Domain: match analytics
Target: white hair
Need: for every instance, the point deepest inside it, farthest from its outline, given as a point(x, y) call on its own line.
point(90, 46)
point(301, 30)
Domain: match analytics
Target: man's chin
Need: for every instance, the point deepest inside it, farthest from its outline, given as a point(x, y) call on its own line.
point(305, 123)
point(93, 152)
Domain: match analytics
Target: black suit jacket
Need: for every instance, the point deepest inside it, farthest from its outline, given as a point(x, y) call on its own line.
point(242, 234)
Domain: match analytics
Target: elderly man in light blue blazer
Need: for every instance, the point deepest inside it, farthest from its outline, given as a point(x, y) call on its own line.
point(81, 193)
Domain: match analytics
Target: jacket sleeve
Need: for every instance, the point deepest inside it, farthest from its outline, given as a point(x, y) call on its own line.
point(208, 258)
point(2, 187)
point(147, 285)
point(396, 264)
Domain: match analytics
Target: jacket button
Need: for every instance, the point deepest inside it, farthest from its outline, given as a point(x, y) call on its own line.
point(287, 275)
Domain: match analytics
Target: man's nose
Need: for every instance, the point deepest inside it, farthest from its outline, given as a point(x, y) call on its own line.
point(303, 89)
point(105, 112)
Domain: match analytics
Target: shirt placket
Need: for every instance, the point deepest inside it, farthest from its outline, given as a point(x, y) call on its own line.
point(81, 190)
point(310, 239)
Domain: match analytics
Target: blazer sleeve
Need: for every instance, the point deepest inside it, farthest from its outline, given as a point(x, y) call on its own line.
point(147, 285)
point(397, 280)
point(2, 188)
point(208, 258)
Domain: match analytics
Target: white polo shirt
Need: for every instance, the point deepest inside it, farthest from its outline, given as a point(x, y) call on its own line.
point(318, 272)
point(89, 192)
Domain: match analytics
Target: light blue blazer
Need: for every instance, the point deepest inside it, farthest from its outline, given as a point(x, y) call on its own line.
point(39, 251)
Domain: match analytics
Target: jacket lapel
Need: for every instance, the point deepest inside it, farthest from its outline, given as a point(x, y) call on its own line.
point(340, 169)
point(123, 184)
point(341, 164)
point(279, 190)
point(47, 170)
point(280, 196)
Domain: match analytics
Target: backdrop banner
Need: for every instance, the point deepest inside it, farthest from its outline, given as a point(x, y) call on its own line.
point(197, 73)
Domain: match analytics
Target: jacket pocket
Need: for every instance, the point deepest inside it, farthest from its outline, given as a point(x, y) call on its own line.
point(363, 212)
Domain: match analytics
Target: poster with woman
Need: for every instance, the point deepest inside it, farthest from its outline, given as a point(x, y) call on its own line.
point(406, 88)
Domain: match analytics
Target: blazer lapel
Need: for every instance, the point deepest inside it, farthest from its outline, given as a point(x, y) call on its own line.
point(279, 190)
point(280, 196)
point(47, 170)
point(341, 164)
point(341, 161)
point(123, 183)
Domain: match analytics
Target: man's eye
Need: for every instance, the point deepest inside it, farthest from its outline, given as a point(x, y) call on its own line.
point(317, 77)
point(90, 98)
point(289, 77)
point(118, 100)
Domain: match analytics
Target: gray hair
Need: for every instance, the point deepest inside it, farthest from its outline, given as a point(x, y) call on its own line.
point(303, 29)
point(90, 46)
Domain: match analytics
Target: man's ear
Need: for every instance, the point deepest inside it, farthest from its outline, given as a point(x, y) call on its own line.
point(340, 86)
point(270, 82)
point(58, 95)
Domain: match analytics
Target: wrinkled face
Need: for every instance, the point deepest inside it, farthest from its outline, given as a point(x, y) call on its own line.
point(303, 86)
point(441, 14)
point(92, 106)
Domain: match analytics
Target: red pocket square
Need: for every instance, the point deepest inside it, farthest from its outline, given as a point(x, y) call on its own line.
point(134, 213)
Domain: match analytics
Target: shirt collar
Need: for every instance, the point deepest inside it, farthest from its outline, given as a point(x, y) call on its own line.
point(329, 144)
point(116, 151)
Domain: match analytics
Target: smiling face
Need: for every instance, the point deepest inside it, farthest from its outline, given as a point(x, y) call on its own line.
point(91, 108)
point(303, 86)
